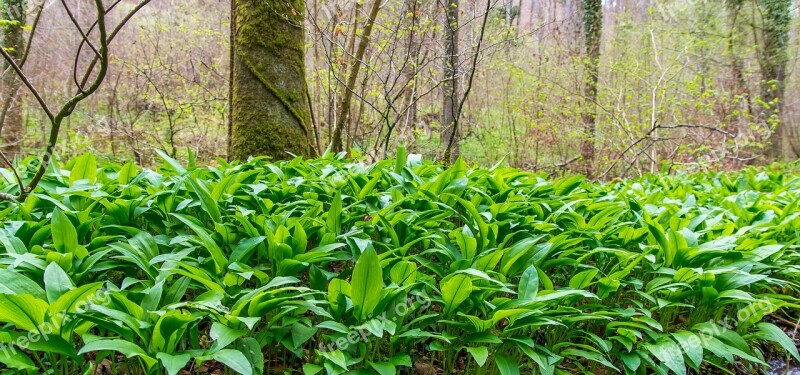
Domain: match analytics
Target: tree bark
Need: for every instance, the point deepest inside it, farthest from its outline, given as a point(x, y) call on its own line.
point(774, 57)
point(11, 120)
point(450, 133)
point(593, 31)
point(270, 114)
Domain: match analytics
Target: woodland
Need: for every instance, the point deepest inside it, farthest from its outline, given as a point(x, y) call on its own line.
point(399, 187)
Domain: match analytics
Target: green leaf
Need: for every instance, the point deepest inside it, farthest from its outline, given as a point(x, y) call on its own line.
point(529, 284)
point(400, 160)
point(403, 273)
point(691, 346)
point(169, 329)
point(56, 282)
point(223, 335)
point(234, 359)
point(124, 347)
point(174, 363)
point(583, 279)
point(480, 354)
point(50, 342)
point(126, 173)
point(76, 299)
point(366, 284)
point(220, 260)
point(65, 238)
point(334, 220)
point(24, 311)
point(384, 368)
point(17, 360)
point(301, 334)
point(84, 168)
point(506, 365)
point(206, 201)
point(455, 291)
point(251, 349)
point(771, 332)
point(12, 282)
point(174, 164)
point(670, 354)
point(311, 369)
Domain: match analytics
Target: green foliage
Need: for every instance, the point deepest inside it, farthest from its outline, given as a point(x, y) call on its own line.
point(335, 267)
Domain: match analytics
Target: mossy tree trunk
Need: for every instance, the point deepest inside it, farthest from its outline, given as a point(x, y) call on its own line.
point(270, 113)
point(774, 57)
point(14, 12)
point(592, 37)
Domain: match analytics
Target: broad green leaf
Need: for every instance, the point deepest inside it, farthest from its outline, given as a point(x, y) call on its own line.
point(234, 359)
point(12, 282)
point(126, 348)
point(691, 346)
point(506, 365)
point(383, 368)
point(583, 279)
point(366, 284)
point(174, 164)
point(173, 363)
point(479, 353)
point(17, 360)
point(65, 238)
point(334, 221)
point(23, 311)
point(220, 260)
point(206, 201)
point(56, 282)
point(403, 273)
point(223, 335)
point(529, 284)
point(84, 168)
point(771, 332)
point(670, 354)
point(455, 291)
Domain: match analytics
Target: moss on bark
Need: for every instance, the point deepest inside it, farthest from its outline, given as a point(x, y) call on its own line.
point(11, 121)
point(269, 101)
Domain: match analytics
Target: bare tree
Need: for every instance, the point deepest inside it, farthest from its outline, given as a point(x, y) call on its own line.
point(343, 117)
point(592, 36)
point(95, 40)
point(774, 57)
point(15, 14)
point(450, 84)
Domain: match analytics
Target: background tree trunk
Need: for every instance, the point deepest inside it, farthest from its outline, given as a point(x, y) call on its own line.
point(593, 31)
point(270, 110)
point(343, 116)
point(774, 56)
point(450, 86)
point(11, 120)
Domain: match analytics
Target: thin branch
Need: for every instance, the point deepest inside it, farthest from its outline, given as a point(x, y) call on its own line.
point(16, 174)
point(28, 84)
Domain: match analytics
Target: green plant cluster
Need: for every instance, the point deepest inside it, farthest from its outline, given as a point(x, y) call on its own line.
point(330, 266)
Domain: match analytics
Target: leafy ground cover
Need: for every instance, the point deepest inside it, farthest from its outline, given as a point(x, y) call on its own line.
point(329, 266)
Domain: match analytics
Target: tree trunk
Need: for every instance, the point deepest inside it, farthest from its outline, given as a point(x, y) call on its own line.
point(269, 96)
point(738, 84)
point(343, 117)
point(450, 86)
point(593, 31)
point(774, 57)
point(11, 121)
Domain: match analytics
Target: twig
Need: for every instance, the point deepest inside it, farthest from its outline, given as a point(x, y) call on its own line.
point(28, 84)
point(16, 174)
